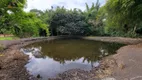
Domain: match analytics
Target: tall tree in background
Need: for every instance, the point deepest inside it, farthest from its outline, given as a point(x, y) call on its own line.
point(68, 22)
point(44, 17)
point(94, 21)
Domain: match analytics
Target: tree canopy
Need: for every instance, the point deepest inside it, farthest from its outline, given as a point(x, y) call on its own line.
point(115, 18)
point(123, 16)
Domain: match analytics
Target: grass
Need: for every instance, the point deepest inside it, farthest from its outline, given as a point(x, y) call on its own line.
point(1, 47)
point(8, 38)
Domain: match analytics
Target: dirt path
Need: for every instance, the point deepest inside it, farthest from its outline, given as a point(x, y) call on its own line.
point(126, 65)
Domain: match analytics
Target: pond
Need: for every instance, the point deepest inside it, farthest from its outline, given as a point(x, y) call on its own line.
point(49, 58)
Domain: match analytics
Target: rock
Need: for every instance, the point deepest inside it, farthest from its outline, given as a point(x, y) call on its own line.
point(121, 65)
point(76, 74)
point(108, 78)
point(38, 76)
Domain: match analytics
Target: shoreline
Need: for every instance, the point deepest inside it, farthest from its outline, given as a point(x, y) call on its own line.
point(12, 61)
point(12, 56)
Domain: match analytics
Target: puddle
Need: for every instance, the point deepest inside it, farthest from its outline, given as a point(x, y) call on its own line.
point(49, 58)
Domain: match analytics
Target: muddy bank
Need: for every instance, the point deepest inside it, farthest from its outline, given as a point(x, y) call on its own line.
point(97, 73)
point(12, 66)
point(12, 61)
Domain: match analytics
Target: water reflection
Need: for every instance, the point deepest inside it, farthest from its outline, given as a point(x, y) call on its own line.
point(50, 58)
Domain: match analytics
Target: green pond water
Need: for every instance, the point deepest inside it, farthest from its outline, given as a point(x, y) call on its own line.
point(49, 58)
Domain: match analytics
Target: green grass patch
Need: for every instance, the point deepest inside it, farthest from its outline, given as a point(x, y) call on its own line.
point(1, 47)
point(8, 38)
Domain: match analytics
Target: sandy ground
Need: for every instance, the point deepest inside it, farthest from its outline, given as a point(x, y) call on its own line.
point(125, 65)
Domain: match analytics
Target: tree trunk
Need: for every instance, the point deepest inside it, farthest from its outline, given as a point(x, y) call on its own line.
point(135, 27)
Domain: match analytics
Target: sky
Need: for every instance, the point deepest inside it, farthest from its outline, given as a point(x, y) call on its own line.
point(69, 4)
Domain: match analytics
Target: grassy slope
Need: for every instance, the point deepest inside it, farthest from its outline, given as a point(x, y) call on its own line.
point(7, 38)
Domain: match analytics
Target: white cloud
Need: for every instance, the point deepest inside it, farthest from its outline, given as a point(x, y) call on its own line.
point(69, 4)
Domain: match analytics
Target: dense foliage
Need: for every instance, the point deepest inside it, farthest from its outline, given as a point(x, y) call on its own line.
point(115, 18)
point(7, 7)
point(124, 17)
point(68, 23)
point(72, 22)
point(15, 21)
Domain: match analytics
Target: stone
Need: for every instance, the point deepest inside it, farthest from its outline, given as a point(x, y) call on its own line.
point(108, 78)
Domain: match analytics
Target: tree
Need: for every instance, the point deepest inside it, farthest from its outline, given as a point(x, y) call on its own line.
point(8, 7)
point(27, 25)
point(123, 16)
point(15, 21)
point(94, 18)
point(37, 12)
point(44, 17)
point(66, 22)
point(12, 5)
